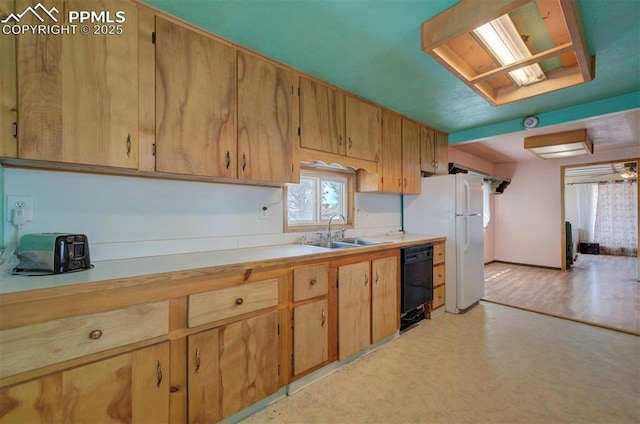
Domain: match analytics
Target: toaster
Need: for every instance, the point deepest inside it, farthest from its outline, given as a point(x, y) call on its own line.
point(52, 253)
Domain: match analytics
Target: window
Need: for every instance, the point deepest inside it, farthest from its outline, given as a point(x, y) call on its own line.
point(319, 196)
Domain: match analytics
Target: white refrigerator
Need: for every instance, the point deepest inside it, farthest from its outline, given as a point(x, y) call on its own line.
point(452, 205)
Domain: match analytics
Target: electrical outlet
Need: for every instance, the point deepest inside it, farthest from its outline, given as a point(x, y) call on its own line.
point(262, 213)
point(24, 202)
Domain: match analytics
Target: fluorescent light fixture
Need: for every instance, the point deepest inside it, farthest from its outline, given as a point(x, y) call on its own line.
point(502, 39)
point(560, 145)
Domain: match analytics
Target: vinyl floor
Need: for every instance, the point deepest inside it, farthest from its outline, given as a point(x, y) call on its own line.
point(492, 364)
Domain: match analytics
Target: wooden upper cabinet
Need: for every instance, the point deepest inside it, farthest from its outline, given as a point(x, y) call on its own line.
point(363, 129)
point(434, 151)
point(391, 160)
point(195, 103)
point(441, 153)
point(321, 117)
point(8, 93)
point(78, 94)
point(265, 120)
point(410, 157)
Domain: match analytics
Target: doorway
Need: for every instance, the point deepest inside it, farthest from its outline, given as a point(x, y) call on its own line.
point(582, 187)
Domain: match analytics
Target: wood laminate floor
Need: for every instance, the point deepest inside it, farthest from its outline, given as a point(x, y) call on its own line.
point(597, 289)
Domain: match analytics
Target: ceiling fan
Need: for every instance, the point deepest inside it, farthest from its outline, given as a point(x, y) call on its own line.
point(627, 171)
point(630, 171)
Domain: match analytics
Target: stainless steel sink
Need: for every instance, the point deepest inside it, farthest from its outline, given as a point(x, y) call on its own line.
point(333, 244)
point(364, 242)
point(346, 243)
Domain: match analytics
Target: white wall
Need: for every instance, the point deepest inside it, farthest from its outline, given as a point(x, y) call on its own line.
point(528, 227)
point(127, 217)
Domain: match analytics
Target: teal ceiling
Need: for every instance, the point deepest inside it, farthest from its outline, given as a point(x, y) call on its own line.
point(372, 48)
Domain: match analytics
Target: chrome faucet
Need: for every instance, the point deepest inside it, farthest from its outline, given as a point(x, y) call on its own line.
point(331, 219)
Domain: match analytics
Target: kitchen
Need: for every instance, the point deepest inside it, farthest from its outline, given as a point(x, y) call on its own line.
point(132, 217)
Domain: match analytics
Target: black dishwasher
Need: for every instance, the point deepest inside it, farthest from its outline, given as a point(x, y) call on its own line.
point(416, 283)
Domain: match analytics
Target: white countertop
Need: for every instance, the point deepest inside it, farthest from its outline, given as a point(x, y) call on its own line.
point(135, 267)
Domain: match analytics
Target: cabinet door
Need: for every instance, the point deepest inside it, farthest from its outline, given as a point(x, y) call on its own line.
point(441, 153)
point(410, 157)
point(195, 103)
point(8, 95)
point(354, 306)
point(427, 150)
point(391, 160)
point(385, 312)
point(132, 387)
point(321, 117)
point(204, 377)
point(438, 274)
point(78, 94)
point(310, 336)
point(438, 297)
point(265, 120)
point(363, 129)
point(248, 362)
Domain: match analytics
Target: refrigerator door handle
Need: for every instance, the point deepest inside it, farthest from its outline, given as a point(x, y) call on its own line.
point(467, 239)
point(467, 196)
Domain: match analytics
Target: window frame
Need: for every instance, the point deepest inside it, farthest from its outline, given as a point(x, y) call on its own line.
point(349, 197)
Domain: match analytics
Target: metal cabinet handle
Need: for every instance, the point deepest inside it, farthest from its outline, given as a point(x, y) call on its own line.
point(405, 183)
point(350, 143)
point(95, 334)
point(228, 159)
point(159, 370)
point(239, 301)
point(128, 145)
point(340, 141)
point(377, 277)
point(244, 161)
point(313, 282)
point(366, 279)
point(324, 318)
point(197, 360)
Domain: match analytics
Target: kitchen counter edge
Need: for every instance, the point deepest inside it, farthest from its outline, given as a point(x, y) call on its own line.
point(137, 271)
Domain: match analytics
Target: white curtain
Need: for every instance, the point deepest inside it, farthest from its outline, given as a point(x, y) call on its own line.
point(616, 227)
point(587, 196)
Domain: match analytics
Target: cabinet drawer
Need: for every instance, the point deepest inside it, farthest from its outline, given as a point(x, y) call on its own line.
point(438, 297)
point(438, 275)
point(224, 303)
point(38, 345)
point(310, 282)
point(438, 253)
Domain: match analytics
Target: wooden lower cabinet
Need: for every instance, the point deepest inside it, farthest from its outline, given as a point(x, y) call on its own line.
point(131, 387)
point(354, 308)
point(385, 313)
point(439, 273)
point(232, 367)
point(438, 297)
point(310, 336)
